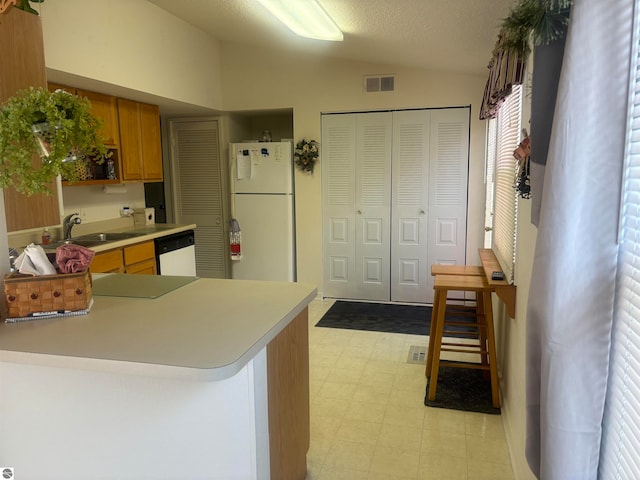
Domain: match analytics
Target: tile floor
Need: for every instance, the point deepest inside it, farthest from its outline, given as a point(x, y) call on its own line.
point(368, 419)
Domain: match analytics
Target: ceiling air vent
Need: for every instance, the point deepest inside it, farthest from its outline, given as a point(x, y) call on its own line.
point(379, 83)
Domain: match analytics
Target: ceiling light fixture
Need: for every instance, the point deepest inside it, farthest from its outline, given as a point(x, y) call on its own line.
point(305, 18)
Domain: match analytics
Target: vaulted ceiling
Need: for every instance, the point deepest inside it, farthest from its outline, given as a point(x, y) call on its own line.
point(444, 35)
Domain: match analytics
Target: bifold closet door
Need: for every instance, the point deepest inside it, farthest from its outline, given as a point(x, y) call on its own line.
point(410, 201)
point(356, 199)
point(448, 189)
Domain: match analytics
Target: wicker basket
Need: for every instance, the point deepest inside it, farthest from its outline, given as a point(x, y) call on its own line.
point(26, 294)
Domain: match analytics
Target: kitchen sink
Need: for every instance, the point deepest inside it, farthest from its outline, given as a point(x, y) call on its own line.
point(95, 239)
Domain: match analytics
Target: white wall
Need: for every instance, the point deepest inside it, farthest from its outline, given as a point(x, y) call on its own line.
point(314, 85)
point(132, 44)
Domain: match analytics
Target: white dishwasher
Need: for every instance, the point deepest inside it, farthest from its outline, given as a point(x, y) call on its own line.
point(176, 254)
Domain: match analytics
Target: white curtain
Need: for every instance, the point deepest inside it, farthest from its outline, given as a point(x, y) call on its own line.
point(571, 296)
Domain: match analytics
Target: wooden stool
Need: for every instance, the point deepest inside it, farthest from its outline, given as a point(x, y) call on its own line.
point(486, 347)
point(441, 269)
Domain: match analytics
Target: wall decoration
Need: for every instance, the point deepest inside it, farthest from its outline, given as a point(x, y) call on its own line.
point(306, 154)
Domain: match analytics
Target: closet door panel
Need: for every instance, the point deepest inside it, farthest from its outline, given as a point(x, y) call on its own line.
point(338, 179)
point(373, 199)
point(449, 167)
point(410, 195)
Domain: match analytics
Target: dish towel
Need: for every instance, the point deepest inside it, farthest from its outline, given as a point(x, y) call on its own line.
point(72, 258)
point(33, 261)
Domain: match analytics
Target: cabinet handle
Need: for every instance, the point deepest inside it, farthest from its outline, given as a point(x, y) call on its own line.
point(421, 212)
point(359, 212)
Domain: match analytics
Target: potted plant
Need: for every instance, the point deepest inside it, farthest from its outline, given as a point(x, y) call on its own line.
point(56, 126)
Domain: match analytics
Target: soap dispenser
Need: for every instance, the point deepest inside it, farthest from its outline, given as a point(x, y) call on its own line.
point(46, 236)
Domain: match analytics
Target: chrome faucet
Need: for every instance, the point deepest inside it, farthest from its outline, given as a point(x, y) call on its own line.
point(68, 223)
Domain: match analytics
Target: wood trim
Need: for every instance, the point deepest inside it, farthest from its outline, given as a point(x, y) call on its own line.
point(505, 291)
point(288, 394)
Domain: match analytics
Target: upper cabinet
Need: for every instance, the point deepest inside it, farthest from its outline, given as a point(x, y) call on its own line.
point(104, 107)
point(140, 146)
point(131, 131)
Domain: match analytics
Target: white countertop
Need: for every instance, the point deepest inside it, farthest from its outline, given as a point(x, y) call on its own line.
point(206, 330)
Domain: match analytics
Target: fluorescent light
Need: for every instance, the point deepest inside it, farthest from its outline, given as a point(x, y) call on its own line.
point(305, 18)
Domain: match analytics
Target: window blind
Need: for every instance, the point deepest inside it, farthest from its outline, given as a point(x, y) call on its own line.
point(505, 209)
point(492, 130)
point(621, 426)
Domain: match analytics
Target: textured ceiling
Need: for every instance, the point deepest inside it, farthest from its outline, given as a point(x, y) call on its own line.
point(445, 35)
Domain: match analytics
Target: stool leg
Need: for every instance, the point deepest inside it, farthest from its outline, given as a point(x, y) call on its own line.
point(432, 333)
point(482, 332)
point(493, 361)
point(437, 344)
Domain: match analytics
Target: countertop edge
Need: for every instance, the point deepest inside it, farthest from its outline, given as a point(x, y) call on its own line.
point(158, 370)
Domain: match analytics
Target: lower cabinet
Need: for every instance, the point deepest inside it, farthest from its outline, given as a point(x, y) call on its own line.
point(139, 258)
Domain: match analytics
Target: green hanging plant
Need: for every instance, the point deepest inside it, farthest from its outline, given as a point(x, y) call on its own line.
point(543, 21)
point(56, 126)
point(24, 5)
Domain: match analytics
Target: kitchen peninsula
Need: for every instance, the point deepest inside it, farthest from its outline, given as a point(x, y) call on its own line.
point(208, 381)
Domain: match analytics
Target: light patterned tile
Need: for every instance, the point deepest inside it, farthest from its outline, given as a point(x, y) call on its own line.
point(327, 407)
point(439, 443)
point(484, 425)
point(329, 473)
point(386, 476)
point(491, 450)
point(378, 394)
point(354, 363)
point(401, 436)
point(377, 378)
point(359, 431)
point(369, 412)
point(395, 461)
point(443, 467)
point(444, 420)
point(478, 470)
point(377, 365)
point(345, 455)
point(409, 416)
point(344, 375)
point(337, 391)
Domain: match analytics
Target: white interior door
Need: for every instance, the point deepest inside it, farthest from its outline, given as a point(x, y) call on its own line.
point(199, 190)
point(338, 229)
point(448, 177)
point(410, 200)
point(394, 200)
point(373, 206)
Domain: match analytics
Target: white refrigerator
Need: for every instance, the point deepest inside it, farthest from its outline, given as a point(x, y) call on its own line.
point(263, 205)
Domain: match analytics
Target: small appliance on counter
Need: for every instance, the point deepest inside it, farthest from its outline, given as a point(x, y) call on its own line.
point(144, 216)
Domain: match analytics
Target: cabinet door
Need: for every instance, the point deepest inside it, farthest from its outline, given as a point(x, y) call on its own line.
point(130, 140)
point(108, 262)
point(151, 145)
point(138, 253)
point(104, 107)
point(148, 267)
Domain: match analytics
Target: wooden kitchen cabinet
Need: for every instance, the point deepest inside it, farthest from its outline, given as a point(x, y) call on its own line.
point(139, 258)
point(105, 108)
point(108, 262)
point(22, 66)
point(140, 146)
